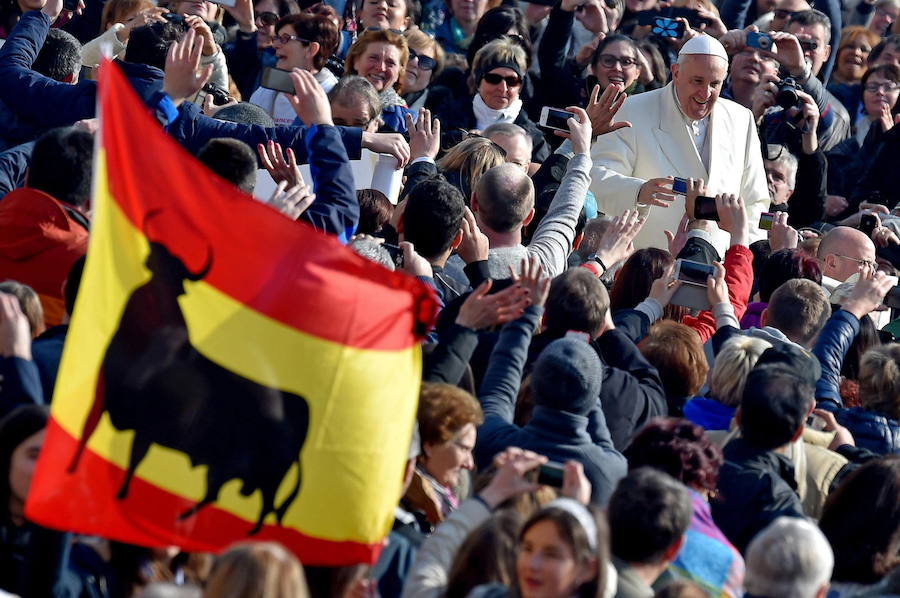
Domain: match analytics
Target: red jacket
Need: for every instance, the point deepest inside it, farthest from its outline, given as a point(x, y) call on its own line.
point(39, 242)
point(739, 278)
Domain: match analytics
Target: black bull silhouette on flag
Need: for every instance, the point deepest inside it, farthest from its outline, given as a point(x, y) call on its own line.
point(153, 381)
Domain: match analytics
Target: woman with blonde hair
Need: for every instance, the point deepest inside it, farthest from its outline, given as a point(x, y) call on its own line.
point(498, 72)
point(380, 56)
point(465, 162)
point(726, 383)
point(256, 570)
point(426, 61)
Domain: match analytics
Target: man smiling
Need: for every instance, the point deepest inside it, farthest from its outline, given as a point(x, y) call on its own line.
point(682, 130)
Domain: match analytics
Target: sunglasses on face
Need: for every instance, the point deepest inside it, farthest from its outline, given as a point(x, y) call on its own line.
point(266, 19)
point(495, 79)
point(426, 63)
point(284, 38)
point(783, 13)
point(610, 60)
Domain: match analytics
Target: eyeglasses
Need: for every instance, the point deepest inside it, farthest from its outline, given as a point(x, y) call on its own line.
point(610, 60)
point(783, 13)
point(266, 19)
point(809, 45)
point(426, 63)
point(284, 38)
point(868, 263)
point(495, 79)
point(887, 86)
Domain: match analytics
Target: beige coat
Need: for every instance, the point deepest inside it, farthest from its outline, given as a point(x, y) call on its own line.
point(660, 144)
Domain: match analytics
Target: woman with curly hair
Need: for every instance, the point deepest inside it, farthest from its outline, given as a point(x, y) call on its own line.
point(680, 448)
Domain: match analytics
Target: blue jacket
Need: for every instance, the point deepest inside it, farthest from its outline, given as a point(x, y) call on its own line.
point(708, 413)
point(13, 164)
point(35, 98)
point(558, 435)
point(20, 384)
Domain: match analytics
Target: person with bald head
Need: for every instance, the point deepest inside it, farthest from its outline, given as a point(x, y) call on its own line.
point(841, 252)
point(681, 130)
point(503, 203)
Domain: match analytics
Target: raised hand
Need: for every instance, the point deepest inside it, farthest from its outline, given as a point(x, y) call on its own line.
point(183, 79)
point(474, 246)
point(279, 168)
point(733, 217)
point(532, 280)
point(678, 238)
point(199, 25)
point(15, 332)
point(509, 481)
point(602, 110)
point(293, 200)
point(868, 292)
point(309, 102)
point(579, 131)
point(387, 143)
point(782, 235)
point(575, 483)
point(657, 192)
point(424, 135)
point(616, 243)
point(481, 310)
point(716, 288)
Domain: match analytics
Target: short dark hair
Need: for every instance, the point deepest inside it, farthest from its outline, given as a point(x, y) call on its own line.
point(232, 160)
point(774, 406)
point(611, 39)
point(891, 40)
point(374, 210)
point(62, 165)
point(808, 18)
point(577, 301)
point(150, 44)
point(60, 56)
point(648, 512)
point(434, 213)
point(505, 196)
point(799, 309)
point(679, 448)
point(314, 28)
point(785, 265)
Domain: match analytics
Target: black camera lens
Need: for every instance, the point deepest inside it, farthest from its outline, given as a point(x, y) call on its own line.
point(787, 96)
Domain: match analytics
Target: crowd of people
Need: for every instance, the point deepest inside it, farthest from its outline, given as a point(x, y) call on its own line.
point(595, 417)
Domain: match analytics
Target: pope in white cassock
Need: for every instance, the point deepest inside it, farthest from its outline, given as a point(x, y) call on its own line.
point(682, 130)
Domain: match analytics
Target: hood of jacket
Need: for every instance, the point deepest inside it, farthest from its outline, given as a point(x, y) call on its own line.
point(32, 222)
point(145, 79)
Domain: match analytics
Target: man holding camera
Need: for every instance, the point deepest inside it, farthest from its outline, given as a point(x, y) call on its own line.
point(682, 130)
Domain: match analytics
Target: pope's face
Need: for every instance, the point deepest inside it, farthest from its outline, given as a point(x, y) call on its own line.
point(698, 81)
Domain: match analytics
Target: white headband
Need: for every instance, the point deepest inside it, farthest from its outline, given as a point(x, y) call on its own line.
point(581, 514)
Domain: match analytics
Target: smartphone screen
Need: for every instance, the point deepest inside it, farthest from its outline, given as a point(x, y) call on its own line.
point(556, 119)
point(867, 224)
point(680, 185)
point(396, 254)
point(695, 272)
point(277, 79)
point(667, 28)
point(705, 208)
point(766, 220)
point(551, 474)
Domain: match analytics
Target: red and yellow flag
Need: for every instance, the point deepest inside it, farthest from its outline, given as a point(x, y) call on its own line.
point(228, 374)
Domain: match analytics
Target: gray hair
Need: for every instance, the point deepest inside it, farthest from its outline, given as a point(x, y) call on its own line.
point(354, 87)
point(784, 157)
point(508, 130)
point(789, 559)
point(372, 251)
point(168, 590)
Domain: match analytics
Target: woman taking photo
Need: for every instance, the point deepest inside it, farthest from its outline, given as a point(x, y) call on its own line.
point(380, 56)
point(498, 72)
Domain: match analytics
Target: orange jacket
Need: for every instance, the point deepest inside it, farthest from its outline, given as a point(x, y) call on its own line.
point(39, 242)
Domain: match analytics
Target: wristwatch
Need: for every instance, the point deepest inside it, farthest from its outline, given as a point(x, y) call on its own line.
point(595, 258)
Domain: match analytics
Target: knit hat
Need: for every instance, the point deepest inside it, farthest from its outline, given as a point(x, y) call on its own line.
point(245, 113)
point(567, 376)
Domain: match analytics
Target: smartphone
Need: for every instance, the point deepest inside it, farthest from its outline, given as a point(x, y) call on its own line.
point(556, 119)
point(692, 292)
point(705, 208)
point(70, 5)
point(666, 28)
point(868, 223)
point(814, 422)
point(396, 254)
point(645, 17)
point(892, 299)
point(228, 3)
point(277, 79)
point(551, 474)
point(680, 185)
point(766, 220)
point(759, 40)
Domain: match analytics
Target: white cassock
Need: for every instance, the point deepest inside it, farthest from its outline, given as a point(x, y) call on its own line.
point(660, 143)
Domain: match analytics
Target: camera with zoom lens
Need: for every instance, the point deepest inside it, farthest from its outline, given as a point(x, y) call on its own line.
point(786, 96)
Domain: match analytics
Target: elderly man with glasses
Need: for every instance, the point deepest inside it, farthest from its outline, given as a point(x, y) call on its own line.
point(842, 251)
